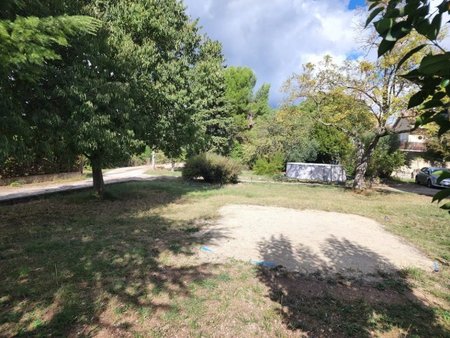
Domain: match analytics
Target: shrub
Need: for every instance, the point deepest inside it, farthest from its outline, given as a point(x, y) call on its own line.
point(212, 168)
point(271, 166)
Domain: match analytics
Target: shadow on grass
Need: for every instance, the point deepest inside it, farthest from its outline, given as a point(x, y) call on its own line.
point(330, 304)
point(66, 258)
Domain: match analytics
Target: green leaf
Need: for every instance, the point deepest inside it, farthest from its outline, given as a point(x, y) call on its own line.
point(373, 5)
point(435, 64)
point(435, 27)
point(398, 31)
point(385, 46)
point(432, 104)
point(444, 83)
point(409, 54)
point(373, 14)
point(444, 126)
point(443, 176)
point(444, 6)
point(417, 99)
point(423, 27)
point(413, 75)
point(384, 25)
point(424, 118)
point(446, 206)
point(441, 195)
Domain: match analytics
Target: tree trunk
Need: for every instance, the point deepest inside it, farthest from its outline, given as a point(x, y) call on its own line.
point(363, 159)
point(97, 177)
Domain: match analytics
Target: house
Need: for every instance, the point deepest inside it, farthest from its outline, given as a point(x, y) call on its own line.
point(414, 145)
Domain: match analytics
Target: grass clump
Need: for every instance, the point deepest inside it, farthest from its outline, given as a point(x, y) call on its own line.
point(212, 168)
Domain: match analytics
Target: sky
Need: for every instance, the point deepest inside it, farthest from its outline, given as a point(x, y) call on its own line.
point(275, 37)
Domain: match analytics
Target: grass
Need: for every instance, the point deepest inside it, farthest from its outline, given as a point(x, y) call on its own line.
point(164, 172)
point(74, 265)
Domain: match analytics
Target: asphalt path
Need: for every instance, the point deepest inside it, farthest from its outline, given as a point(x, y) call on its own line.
point(111, 176)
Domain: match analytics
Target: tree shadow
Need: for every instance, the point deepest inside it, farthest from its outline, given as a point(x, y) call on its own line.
point(65, 259)
point(327, 297)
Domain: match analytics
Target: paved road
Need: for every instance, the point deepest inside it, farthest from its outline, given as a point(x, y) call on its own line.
point(111, 176)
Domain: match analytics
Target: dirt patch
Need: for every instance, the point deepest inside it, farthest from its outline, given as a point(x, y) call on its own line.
point(308, 241)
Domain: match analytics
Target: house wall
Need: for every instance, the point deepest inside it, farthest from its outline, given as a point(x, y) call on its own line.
point(415, 162)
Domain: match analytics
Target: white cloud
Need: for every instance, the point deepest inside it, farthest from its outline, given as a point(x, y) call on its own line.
point(275, 37)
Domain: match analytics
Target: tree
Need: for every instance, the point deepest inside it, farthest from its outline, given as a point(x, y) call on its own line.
point(132, 85)
point(244, 105)
point(211, 111)
point(397, 21)
point(375, 91)
point(30, 38)
point(438, 147)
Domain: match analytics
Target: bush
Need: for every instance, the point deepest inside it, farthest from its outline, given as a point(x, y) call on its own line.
point(271, 166)
point(212, 168)
point(385, 159)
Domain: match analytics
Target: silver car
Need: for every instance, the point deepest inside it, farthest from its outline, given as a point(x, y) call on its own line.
point(430, 175)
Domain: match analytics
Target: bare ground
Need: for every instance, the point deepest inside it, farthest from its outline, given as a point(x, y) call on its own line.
point(309, 241)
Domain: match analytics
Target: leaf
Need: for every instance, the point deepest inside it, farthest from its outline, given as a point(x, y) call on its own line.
point(435, 27)
point(398, 31)
point(383, 25)
point(417, 99)
point(444, 83)
point(373, 5)
point(409, 54)
point(432, 104)
point(424, 118)
point(385, 46)
point(444, 126)
point(373, 14)
point(435, 64)
point(444, 6)
point(413, 75)
point(446, 206)
point(439, 196)
point(443, 176)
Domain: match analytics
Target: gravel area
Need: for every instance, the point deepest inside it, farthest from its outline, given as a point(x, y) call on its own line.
point(307, 241)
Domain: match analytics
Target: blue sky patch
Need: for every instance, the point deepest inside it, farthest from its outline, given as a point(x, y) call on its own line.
point(353, 4)
point(353, 55)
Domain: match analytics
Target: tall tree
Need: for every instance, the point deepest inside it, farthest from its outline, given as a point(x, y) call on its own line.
point(211, 110)
point(31, 36)
point(244, 104)
point(375, 85)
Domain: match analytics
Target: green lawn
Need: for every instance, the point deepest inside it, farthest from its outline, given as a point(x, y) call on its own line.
point(73, 265)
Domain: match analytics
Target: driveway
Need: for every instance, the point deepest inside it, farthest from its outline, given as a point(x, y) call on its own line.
point(410, 188)
point(111, 176)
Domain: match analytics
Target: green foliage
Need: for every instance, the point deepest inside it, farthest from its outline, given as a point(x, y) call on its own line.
point(287, 131)
point(244, 106)
point(269, 166)
point(211, 116)
point(396, 21)
point(148, 77)
point(27, 45)
point(212, 168)
point(239, 82)
point(385, 159)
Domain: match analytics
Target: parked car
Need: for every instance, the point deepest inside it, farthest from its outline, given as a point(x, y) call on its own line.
point(430, 175)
